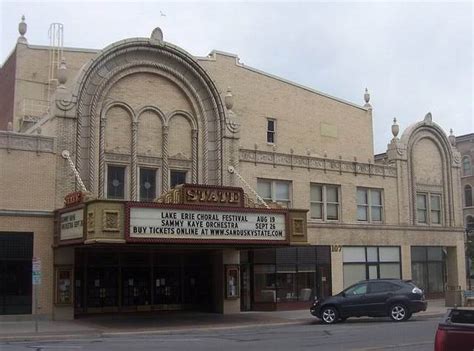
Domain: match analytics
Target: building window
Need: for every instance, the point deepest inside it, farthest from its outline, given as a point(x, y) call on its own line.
point(421, 208)
point(325, 202)
point(177, 178)
point(468, 195)
point(147, 184)
point(271, 130)
point(428, 208)
point(292, 275)
point(274, 191)
point(371, 262)
point(116, 182)
point(466, 166)
point(428, 266)
point(369, 205)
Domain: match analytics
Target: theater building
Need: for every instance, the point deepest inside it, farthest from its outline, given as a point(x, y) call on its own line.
point(141, 178)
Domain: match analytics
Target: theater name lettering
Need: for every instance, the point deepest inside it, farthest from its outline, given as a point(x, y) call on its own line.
point(188, 224)
point(203, 196)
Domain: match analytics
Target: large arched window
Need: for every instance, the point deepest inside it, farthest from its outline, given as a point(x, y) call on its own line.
point(466, 166)
point(468, 195)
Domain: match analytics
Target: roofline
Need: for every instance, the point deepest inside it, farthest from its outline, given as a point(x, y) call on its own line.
point(212, 57)
point(465, 137)
point(47, 47)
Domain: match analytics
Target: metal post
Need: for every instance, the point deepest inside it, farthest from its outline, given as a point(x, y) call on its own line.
point(36, 308)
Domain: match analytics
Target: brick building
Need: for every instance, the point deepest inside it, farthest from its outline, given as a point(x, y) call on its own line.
point(143, 116)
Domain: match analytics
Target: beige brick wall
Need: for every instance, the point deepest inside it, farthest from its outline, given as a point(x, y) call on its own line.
point(180, 137)
point(428, 170)
point(145, 89)
point(149, 134)
point(320, 124)
point(27, 180)
point(33, 72)
point(118, 131)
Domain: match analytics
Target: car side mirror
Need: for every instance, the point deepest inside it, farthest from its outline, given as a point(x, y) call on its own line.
point(343, 294)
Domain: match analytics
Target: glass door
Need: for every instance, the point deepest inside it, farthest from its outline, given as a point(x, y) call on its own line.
point(102, 287)
point(135, 286)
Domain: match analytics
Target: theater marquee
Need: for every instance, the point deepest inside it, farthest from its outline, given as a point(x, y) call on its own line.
point(168, 223)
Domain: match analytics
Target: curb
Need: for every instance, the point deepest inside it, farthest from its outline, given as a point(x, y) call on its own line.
point(176, 330)
point(103, 334)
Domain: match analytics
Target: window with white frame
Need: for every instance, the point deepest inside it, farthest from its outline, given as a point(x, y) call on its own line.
point(369, 205)
point(271, 130)
point(116, 182)
point(370, 262)
point(147, 184)
point(428, 208)
point(324, 202)
point(466, 166)
point(275, 191)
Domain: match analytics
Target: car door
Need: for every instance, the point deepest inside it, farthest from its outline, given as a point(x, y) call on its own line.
point(353, 300)
point(377, 295)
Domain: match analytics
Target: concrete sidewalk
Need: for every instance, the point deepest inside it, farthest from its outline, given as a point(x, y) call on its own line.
point(108, 325)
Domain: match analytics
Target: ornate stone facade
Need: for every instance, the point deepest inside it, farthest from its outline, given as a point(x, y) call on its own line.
point(146, 104)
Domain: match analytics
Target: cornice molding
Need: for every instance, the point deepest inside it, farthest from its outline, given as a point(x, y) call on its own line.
point(26, 142)
point(311, 162)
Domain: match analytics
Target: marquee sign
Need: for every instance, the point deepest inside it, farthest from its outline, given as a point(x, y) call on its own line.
point(71, 225)
point(173, 224)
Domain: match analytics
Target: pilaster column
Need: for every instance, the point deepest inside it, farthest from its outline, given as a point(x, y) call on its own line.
point(133, 172)
point(194, 156)
point(165, 172)
point(101, 191)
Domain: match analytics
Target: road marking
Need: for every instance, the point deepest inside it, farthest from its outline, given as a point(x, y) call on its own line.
point(386, 347)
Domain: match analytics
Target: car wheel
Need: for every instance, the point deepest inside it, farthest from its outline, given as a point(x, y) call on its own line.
point(398, 313)
point(329, 315)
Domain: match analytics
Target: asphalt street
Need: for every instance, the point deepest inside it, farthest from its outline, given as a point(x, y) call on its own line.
point(365, 334)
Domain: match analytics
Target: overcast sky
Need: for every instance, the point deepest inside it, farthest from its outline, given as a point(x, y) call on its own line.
point(413, 57)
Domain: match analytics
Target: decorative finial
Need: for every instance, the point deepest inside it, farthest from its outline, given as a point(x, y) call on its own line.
point(229, 99)
point(395, 128)
point(22, 27)
point(157, 35)
point(62, 76)
point(428, 118)
point(10, 126)
point(367, 99)
point(452, 138)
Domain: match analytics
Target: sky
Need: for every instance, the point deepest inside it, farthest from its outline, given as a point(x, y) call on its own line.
point(414, 58)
